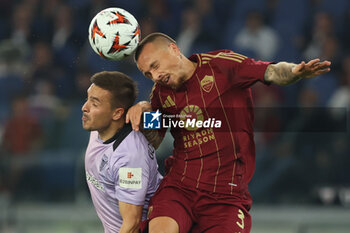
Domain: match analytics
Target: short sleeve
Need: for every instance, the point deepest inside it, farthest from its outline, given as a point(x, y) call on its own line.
point(132, 172)
point(248, 72)
point(240, 71)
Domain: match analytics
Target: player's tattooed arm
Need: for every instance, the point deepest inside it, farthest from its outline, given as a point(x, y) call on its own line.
point(284, 73)
point(153, 137)
point(134, 117)
point(281, 74)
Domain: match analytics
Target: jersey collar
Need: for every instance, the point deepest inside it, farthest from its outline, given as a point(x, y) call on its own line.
point(119, 136)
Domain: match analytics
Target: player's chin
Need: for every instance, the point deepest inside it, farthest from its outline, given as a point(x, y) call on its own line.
point(178, 83)
point(175, 85)
point(87, 126)
point(170, 85)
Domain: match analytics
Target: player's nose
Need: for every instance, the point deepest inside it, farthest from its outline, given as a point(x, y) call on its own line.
point(158, 77)
point(84, 107)
point(155, 76)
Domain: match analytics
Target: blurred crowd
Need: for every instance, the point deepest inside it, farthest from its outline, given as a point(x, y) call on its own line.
point(46, 63)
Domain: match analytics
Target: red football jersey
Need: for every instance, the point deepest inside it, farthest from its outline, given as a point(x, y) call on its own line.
point(215, 159)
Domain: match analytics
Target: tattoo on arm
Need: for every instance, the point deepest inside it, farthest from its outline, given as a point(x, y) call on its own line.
point(281, 74)
point(152, 136)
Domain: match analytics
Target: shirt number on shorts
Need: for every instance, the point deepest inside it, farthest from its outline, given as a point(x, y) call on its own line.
point(241, 217)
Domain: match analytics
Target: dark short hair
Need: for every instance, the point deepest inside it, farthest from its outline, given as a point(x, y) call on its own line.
point(149, 39)
point(120, 85)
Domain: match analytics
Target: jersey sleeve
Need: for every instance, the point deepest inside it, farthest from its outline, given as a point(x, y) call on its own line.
point(241, 71)
point(248, 72)
point(132, 172)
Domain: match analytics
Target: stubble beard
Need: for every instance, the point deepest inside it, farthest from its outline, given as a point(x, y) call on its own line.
point(178, 84)
point(87, 127)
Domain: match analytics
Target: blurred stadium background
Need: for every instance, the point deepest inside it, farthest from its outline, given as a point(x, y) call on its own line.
point(302, 179)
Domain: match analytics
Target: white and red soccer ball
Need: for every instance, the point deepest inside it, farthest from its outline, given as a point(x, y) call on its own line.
point(114, 33)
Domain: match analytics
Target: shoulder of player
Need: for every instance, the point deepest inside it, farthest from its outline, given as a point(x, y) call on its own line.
point(158, 88)
point(132, 151)
point(155, 91)
point(221, 56)
point(94, 140)
point(134, 144)
point(93, 135)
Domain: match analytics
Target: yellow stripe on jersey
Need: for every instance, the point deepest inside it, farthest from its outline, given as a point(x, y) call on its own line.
point(171, 101)
point(232, 54)
point(229, 56)
point(199, 60)
point(160, 98)
point(168, 102)
point(235, 55)
point(185, 168)
point(216, 143)
point(206, 60)
point(230, 130)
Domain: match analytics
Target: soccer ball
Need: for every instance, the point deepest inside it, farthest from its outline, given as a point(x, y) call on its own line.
point(114, 33)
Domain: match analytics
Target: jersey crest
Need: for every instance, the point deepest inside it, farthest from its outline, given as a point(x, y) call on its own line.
point(103, 162)
point(207, 83)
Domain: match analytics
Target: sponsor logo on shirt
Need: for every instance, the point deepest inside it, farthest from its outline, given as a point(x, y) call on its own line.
point(130, 177)
point(169, 102)
point(92, 180)
point(198, 138)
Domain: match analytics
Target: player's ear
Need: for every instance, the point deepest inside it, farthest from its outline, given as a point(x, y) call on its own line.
point(118, 113)
point(174, 48)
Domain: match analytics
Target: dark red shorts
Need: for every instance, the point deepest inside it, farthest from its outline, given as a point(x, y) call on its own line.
point(200, 211)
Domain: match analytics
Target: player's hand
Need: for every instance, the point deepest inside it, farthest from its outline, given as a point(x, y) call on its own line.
point(135, 112)
point(311, 69)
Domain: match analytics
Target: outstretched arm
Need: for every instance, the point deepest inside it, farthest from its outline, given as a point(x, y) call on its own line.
point(284, 73)
point(134, 117)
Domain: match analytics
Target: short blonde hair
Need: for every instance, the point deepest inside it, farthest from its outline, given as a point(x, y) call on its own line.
point(156, 36)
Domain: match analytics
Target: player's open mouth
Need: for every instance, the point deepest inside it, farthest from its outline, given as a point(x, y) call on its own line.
point(166, 79)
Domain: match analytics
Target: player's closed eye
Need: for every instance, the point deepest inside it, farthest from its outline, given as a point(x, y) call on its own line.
point(94, 103)
point(148, 75)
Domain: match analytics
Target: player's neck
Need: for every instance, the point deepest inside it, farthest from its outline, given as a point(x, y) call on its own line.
point(190, 68)
point(114, 128)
